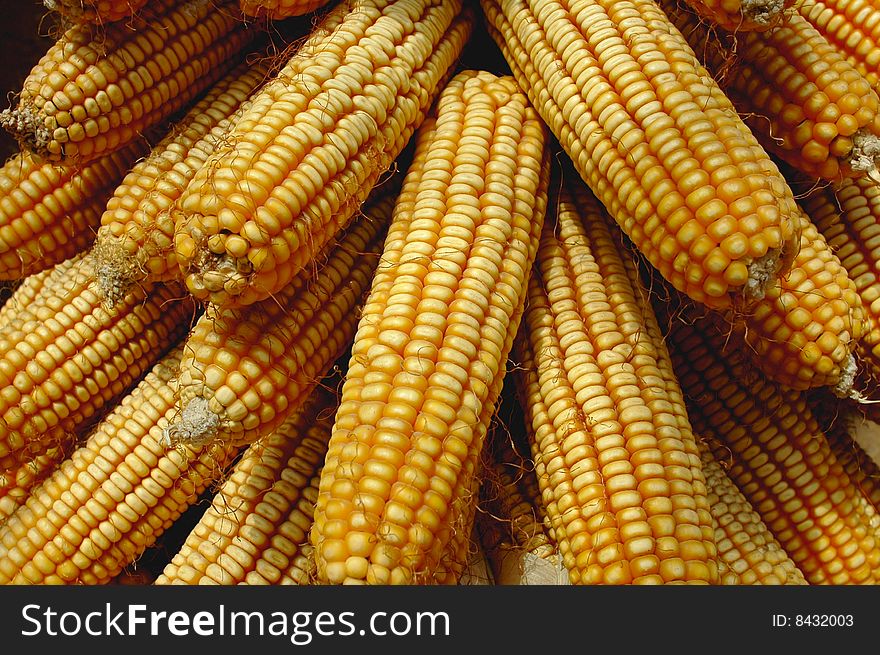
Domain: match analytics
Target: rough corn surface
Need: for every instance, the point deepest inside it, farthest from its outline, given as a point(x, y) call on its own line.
point(113, 497)
point(779, 457)
point(99, 87)
point(748, 554)
point(315, 141)
point(256, 529)
point(429, 355)
point(65, 356)
point(796, 91)
point(742, 15)
point(95, 11)
point(246, 370)
point(853, 26)
point(614, 453)
point(805, 331)
point(280, 9)
point(49, 213)
point(656, 140)
point(136, 240)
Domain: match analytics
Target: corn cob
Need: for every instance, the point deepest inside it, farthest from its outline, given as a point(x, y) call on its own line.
point(316, 139)
point(256, 529)
point(113, 497)
point(748, 554)
point(780, 458)
point(136, 240)
point(97, 88)
point(655, 138)
point(804, 332)
point(742, 15)
point(246, 370)
point(95, 11)
point(49, 213)
point(428, 357)
point(64, 356)
point(280, 9)
point(853, 26)
point(614, 453)
point(847, 218)
point(801, 96)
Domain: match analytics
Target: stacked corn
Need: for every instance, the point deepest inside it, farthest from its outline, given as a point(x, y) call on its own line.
point(272, 200)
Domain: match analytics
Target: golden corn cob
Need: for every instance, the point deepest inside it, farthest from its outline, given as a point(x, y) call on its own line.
point(49, 213)
point(280, 9)
point(656, 140)
point(805, 330)
point(246, 370)
point(95, 11)
point(801, 96)
point(316, 139)
point(742, 15)
point(136, 240)
point(113, 497)
point(256, 529)
point(847, 217)
point(748, 554)
point(614, 453)
point(779, 457)
point(98, 88)
point(853, 26)
point(429, 355)
point(65, 356)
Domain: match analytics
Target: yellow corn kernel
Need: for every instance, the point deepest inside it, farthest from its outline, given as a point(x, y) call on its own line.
point(748, 554)
point(246, 370)
point(135, 242)
point(656, 140)
point(100, 87)
point(779, 457)
point(314, 142)
point(796, 91)
point(113, 497)
point(256, 529)
point(614, 453)
point(50, 212)
point(64, 356)
point(432, 342)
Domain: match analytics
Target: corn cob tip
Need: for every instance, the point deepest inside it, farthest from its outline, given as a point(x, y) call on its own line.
point(865, 154)
point(26, 126)
point(844, 388)
point(196, 427)
point(116, 271)
point(762, 12)
point(763, 272)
